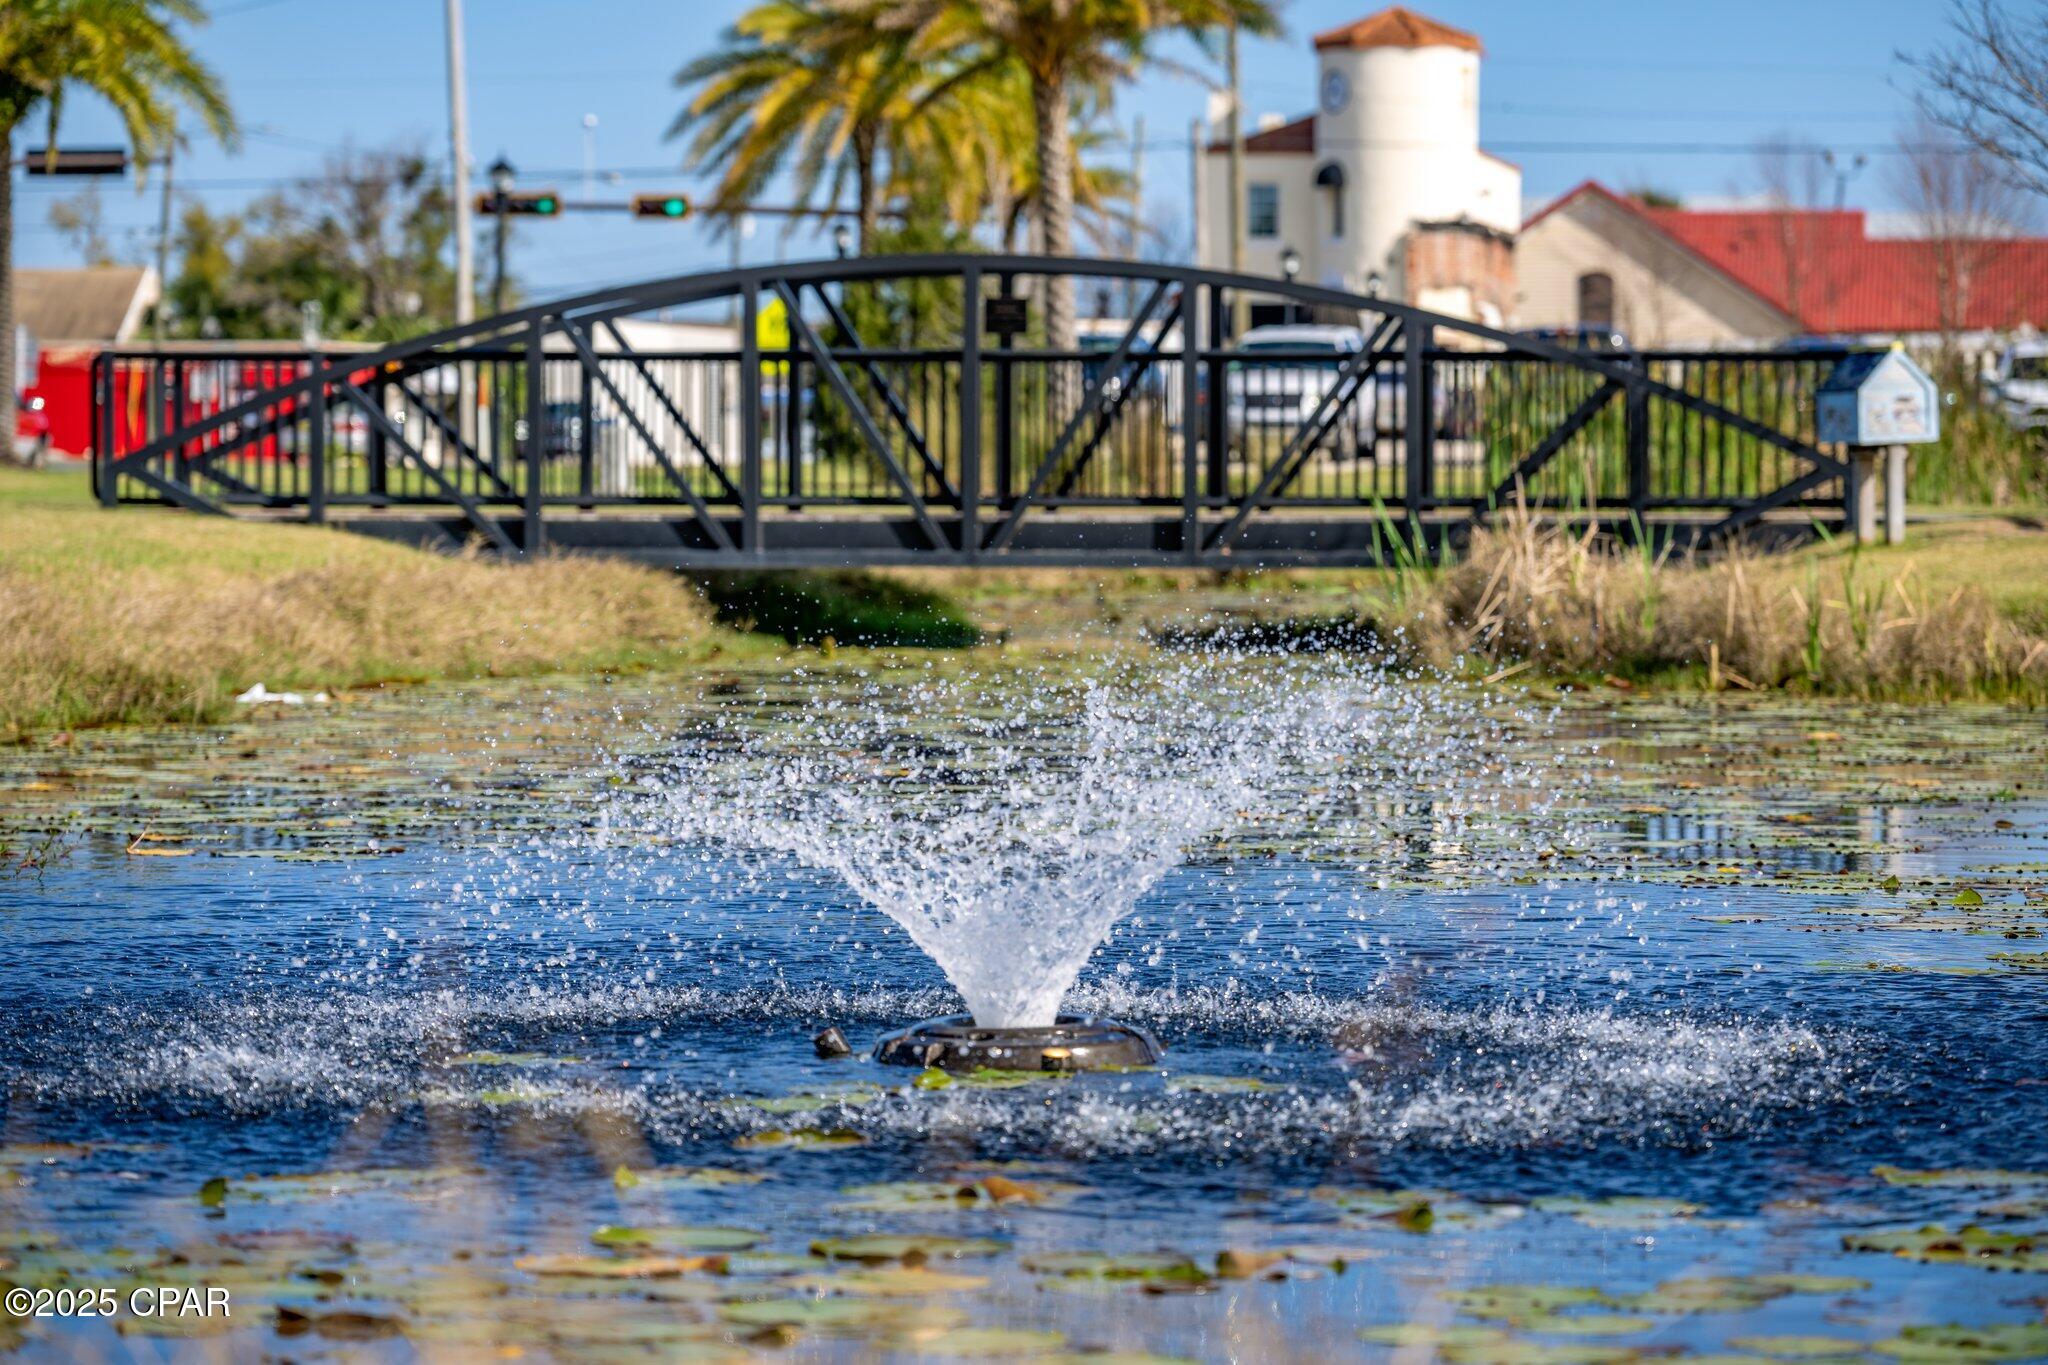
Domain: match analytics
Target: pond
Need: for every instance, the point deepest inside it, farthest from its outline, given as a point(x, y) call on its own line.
point(433, 1022)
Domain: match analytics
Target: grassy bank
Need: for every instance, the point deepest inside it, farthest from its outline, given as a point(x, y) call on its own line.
point(142, 615)
point(148, 615)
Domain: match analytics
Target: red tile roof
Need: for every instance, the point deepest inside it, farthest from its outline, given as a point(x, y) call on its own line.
point(1821, 267)
point(1398, 26)
point(1296, 137)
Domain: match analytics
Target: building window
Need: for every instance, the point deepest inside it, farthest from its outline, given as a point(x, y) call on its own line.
point(1262, 210)
point(1596, 299)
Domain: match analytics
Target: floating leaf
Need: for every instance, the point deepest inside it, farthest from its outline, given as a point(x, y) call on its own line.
point(932, 1078)
point(511, 1059)
point(1621, 1211)
point(1968, 1245)
point(987, 1342)
point(800, 1139)
point(890, 1281)
point(931, 1196)
point(1159, 1266)
point(677, 1238)
point(1800, 1347)
point(684, 1177)
point(1515, 1302)
point(1216, 1085)
point(1966, 1177)
point(1994, 1341)
point(214, 1193)
point(619, 1267)
point(1969, 895)
point(909, 1248)
point(1247, 1265)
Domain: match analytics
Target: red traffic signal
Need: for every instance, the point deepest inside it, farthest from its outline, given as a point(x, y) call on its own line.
point(541, 203)
point(661, 206)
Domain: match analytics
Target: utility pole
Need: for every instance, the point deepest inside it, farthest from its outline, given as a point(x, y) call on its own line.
point(1198, 138)
point(1240, 306)
point(458, 153)
point(163, 240)
point(1134, 236)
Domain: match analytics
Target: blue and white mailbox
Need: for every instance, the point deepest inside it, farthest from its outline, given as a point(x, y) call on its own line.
point(1877, 401)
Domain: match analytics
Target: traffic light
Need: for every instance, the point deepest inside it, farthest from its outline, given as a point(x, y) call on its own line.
point(661, 206)
point(541, 203)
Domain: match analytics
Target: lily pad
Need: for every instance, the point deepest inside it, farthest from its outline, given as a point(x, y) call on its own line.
point(1216, 1085)
point(1800, 1347)
point(684, 1177)
point(800, 1139)
point(932, 1196)
point(984, 1343)
point(619, 1267)
point(890, 1282)
point(677, 1238)
point(1157, 1266)
point(1967, 1245)
point(1995, 1341)
point(908, 1248)
point(1964, 1177)
point(1620, 1211)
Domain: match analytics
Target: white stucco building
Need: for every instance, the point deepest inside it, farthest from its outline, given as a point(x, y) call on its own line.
point(1385, 184)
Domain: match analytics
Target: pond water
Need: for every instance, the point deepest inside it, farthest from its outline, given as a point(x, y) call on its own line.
point(428, 1023)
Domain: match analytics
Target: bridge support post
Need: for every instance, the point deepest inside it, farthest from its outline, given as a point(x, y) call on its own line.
point(1420, 428)
point(1190, 418)
point(1895, 495)
point(535, 538)
point(1636, 437)
point(316, 447)
point(750, 420)
point(970, 415)
point(1859, 495)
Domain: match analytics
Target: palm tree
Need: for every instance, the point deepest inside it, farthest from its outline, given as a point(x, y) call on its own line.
point(1065, 46)
point(818, 81)
point(126, 51)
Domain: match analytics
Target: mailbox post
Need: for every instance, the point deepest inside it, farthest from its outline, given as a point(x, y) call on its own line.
point(1877, 403)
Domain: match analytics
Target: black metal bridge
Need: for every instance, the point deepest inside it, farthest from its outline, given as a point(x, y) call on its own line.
point(909, 418)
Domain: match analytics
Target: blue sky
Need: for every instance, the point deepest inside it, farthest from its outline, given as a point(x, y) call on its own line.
point(1668, 92)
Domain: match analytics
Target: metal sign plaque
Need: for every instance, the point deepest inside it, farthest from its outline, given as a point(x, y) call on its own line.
point(1006, 317)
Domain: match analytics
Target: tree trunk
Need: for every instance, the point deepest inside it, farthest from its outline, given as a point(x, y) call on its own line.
point(866, 211)
point(1056, 226)
point(7, 362)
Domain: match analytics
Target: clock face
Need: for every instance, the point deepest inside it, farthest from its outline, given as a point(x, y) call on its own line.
point(1336, 90)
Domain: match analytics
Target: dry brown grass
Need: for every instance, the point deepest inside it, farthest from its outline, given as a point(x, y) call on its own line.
point(1841, 623)
point(81, 647)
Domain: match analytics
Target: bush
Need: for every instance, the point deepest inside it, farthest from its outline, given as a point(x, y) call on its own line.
point(846, 607)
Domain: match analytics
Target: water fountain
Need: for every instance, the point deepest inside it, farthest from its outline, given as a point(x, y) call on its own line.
point(1008, 846)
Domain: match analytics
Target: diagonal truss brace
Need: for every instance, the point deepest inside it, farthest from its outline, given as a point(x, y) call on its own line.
point(1091, 404)
point(872, 434)
point(1352, 378)
point(588, 357)
point(373, 413)
point(890, 398)
point(675, 413)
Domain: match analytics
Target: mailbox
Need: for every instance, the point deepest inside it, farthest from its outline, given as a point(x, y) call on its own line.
point(1878, 398)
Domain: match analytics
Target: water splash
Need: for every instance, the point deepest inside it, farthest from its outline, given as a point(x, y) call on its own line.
point(1007, 822)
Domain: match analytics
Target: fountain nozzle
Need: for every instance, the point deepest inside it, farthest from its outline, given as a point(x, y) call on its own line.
point(1074, 1042)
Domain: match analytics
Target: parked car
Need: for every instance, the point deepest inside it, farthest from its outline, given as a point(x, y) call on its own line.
point(2017, 384)
point(31, 429)
point(1285, 391)
point(1584, 337)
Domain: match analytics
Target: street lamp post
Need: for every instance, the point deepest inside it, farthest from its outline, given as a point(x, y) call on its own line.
point(1290, 270)
point(842, 240)
point(503, 177)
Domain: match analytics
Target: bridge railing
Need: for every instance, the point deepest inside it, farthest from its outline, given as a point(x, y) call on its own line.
point(1489, 409)
point(975, 439)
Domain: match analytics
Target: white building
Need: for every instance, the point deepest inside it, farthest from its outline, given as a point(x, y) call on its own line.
point(1384, 187)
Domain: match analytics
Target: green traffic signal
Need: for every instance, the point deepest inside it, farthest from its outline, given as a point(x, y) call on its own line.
point(661, 206)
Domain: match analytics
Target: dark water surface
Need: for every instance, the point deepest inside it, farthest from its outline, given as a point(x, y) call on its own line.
point(1664, 1031)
